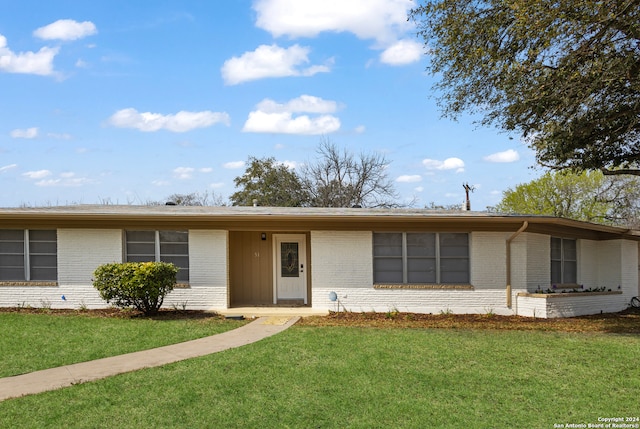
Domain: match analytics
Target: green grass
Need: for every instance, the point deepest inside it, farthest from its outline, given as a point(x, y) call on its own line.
point(336, 377)
point(30, 342)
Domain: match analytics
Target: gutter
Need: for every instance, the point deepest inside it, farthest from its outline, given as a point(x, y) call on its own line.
point(524, 226)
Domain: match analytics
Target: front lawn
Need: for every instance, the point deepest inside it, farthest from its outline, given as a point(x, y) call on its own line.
point(32, 339)
point(361, 377)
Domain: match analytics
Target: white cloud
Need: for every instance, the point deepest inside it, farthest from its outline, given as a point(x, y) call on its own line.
point(448, 164)
point(304, 103)
point(402, 52)
point(40, 174)
point(8, 167)
point(206, 170)
point(291, 165)
point(217, 185)
point(380, 20)
point(67, 179)
point(178, 123)
point(39, 63)
point(285, 123)
point(59, 136)
point(27, 133)
point(269, 61)
point(233, 165)
point(66, 29)
point(360, 129)
point(409, 178)
point(183, 173)
point(419, 188)
point(272, 117)
point(506, 156)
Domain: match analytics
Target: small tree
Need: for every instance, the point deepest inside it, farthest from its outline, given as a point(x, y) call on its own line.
point(270, 183)
point(142, 285)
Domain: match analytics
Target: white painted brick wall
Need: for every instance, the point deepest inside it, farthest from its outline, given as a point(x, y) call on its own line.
point(570, 305)
point(410, 300)
point(81, 251)
point(588, 263)
point(488, 260)
point(530, 307)
point(629, 278)
point(341, 259)
point(208, 273)
point(609, 263)
point(538, 261)
point(343, 263)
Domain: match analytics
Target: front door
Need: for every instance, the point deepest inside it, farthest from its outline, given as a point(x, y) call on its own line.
point(290, 268)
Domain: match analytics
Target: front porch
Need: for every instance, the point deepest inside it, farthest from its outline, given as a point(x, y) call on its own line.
point(268, 269)
point(253, 312)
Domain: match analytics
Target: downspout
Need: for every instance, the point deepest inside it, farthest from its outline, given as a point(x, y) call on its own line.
point(524, 226)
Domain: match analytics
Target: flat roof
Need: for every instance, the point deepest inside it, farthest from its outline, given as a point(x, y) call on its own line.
point(296, 218)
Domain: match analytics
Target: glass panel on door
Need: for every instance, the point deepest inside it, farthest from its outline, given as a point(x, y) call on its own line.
point(289, 266)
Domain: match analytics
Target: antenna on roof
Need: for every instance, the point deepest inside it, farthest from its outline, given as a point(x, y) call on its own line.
point(467, 189)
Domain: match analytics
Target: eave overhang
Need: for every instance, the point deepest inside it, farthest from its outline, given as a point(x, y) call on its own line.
point(298, 219)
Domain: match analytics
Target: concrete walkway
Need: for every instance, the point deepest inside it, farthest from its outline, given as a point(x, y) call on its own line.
point(64, 376)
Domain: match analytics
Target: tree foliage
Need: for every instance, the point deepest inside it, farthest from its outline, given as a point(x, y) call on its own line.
point(588, 196)
point(142, 285)
point(269, 183)
point(335, 179)
point(207, 198)
point(341, 179)
point(565, 74)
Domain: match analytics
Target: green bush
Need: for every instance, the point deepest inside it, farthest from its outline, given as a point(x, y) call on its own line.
point(142, 285)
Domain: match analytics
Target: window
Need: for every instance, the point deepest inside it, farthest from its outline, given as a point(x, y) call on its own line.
point(421, 258)
point(165, 246)
point(28, 255)
point(564, 266)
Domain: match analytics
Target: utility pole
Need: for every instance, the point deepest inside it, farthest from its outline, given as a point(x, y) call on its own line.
point(467, 188)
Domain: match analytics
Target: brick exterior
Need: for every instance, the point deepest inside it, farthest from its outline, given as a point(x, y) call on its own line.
point(207, 273)
point(342, 262)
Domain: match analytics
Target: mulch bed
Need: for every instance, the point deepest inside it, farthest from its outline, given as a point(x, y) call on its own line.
point(164, 314)
point(626, 322)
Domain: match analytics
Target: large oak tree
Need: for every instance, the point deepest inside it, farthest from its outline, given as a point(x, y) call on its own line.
point(563, 73)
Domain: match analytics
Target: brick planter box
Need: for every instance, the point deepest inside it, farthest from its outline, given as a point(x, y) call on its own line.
point(570, 304)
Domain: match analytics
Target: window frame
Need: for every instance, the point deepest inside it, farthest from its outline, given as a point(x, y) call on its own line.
point(563, 261)
point(183, 276)
point(30, 255)
point(436, 256)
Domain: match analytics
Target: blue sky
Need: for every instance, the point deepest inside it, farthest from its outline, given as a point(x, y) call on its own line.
point(132, 101)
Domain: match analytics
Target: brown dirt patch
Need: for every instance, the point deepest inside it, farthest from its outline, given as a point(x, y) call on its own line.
point(627, 322)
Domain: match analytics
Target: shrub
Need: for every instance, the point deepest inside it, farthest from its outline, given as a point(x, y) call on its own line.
point(142, 285)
